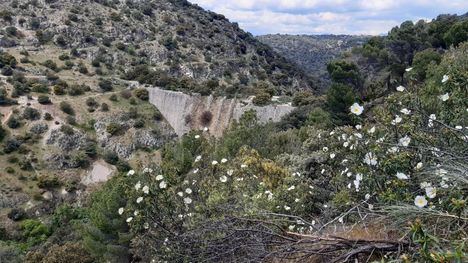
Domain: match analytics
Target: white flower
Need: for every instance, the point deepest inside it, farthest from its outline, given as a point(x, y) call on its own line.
point(408, 69)
point(205, 129)
point(129, 219)
point(224, 160)
point(223, 179)
point(420, 201)
point(325, 149)
point(445, 78)
point(145, 225)
point(332, 155)
point(402, 176)
point(162, 185)
point(431, 192)
point(432, 117)
point(405, 141)
point(159, 177)
point(214, 162)
point(356, 184)
point(397, 120)
point(147, 170)
point(243, 165)
point(198, 158)
point(197, 136)
point(195, 171)
point(188, 191)
point(405, 111)
point(370, 159)
point(358, 127)
point(135, 213)
point(367, 196)
point(287, 208)
point(345, 144)
point(146, 189)
point(372, 130)
point(230, 172)
point(180, 194)
point(419, 166)
point(425, 185)
point(359, 177)
point(121, 210)
point(291, 188)
point(400, 88)
point(393, 149)
point(131, 172)
point(356, 109)
point(138, 186)
point(139, 199)
point(187, 200)
point(444, 97)
point(458, 127)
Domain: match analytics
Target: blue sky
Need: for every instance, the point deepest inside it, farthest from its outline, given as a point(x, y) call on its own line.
point(369, 17)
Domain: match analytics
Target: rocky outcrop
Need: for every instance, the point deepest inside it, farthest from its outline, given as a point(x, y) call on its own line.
point(184, 112)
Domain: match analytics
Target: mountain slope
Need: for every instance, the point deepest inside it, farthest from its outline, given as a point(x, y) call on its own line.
point(312, 52)
point(176, 45)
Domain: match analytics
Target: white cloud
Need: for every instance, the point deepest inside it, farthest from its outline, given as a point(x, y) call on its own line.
point(328, 17)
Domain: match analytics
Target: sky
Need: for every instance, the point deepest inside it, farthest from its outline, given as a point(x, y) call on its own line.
point(357, 17)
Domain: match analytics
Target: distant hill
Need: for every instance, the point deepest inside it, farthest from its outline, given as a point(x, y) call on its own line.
point(312, 52)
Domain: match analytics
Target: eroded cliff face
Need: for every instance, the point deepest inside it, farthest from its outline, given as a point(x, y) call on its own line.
point(183, 112)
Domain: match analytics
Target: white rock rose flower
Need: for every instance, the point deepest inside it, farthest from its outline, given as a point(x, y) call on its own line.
point(356, 109)
point(431, 192)
point(187, 200)
point(444, 97)
point(121, 210)
point(405, 141)
point(420, 201)
point(445, 78)
point(162, 185)
point(402, 176)
point(139, 200)
point(400, 88)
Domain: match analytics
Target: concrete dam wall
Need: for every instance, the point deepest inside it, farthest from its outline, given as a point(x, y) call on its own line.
point(183, 112)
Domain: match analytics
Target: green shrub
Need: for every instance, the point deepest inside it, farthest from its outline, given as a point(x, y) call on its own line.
point(34, 232)
point(48, 182)
point(43, 99)
point(142, 94)
point(50, 64)
point(13, 122)
point(262, 99)
point(113, 128)
point(67, 108)
point(105, 85)
point(31, 114)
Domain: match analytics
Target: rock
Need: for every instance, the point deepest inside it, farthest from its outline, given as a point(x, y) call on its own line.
point(176, 106)
point(47, 196)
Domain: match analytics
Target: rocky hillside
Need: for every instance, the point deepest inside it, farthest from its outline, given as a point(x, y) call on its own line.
point(168, 43)
point(85, 89)
point(313, 52)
